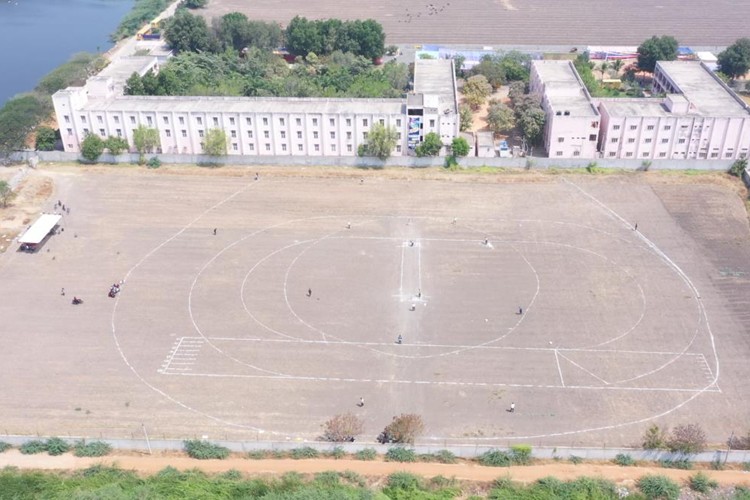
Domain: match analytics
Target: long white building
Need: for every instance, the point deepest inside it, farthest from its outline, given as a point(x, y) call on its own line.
point(696, 117)
point(257, 125)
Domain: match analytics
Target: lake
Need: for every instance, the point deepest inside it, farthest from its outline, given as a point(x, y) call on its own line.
point(36, 36)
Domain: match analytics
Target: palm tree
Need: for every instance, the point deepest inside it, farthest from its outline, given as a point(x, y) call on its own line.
point(617, 65)
point(603, 68)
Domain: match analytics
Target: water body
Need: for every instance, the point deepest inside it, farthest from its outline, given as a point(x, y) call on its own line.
point(36, 36)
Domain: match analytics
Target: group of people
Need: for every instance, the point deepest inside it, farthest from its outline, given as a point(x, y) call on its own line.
point(62, 207)
point(114, 290)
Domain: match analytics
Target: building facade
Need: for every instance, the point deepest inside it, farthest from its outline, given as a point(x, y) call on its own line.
point(259, 125)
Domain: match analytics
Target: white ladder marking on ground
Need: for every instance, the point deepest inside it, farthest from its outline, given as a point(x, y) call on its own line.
point(182, 356)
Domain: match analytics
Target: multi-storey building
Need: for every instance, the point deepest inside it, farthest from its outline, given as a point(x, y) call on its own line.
point(258, 125)
point(696, 116)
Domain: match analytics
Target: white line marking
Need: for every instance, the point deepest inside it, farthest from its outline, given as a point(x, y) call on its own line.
point(559, 370)
point(584, 369)
point(401, 280)
point(174, 351)
point(419, 265)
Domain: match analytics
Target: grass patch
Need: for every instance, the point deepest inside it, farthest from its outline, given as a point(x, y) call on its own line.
point(442, 457)
point(33, 447)
point(56, 446)
point(624, 460)
point(575, 459)
point(4, 446)
point(366, 454)
point(91, 449)
point(142, 12)
point(661, 487)
point(203, 450)
point(257, 454)
point(399, 454)
point(303, 453)
point(337, 453)
point(701, 483)
point(495, 458)
point(681, 463)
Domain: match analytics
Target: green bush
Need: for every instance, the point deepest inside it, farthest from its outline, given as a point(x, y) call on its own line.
point(701, 483)
point(738, 167)
point(654, 438)
point(495, 458)
point(746, 466)
point(399, 454)
point(203, 450)
point(658, 487)
point(624, 459)
point(91, 449)
point(520, 454)
point(4, 446)
point(142, 12)
point(402, 484)
point(257, 454)
point(441, 456)
point(337, 453)
point(328, 478)
point(33, 447)
point(680, 463)
point(366, 454)
point(46, 138)
point(154, 162)
point(575, 460)
point(56, 446)
point(304, 452)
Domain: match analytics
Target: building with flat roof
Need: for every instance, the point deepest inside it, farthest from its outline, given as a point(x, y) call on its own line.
point(696, 117)
point(256, 125)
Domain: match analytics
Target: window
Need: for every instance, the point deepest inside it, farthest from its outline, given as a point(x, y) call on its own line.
point(648, 141)
point(348, 122)
point(117, 119)
point(101, 132)
point(631, 140)
point(168, 133)
point(234, 134)
point(399, 136)
point(268, 147)
point(667, 127)
point(650, 127)
point(182, 120)
point(646, 155)
point(249, 134)
point(250, 146)
point(248, 121)
point(398, 148)
point(398, 122)
point(283, 134)
point(727, 155)
point(432, 123)
point(714, 155)
point(299, 134)
point(281, 122)
point(662, 154)
point(315, 122)
point(664, 141)
point(283, 147)
point(364, 122)
point(364, 135)
point(615, 127)
point(349, 135)
point(85, 131)
point(559, 153)
point(612, 153)
point(315, 134)
point(166, 120)
point(149, 120)
point(99, 119)
point(184, 133)
point(200, 133)
point(119, 132)
point(265, 121)
point(83, 119)
point(633, 127)
point(317, 147)
point(558, 113)
point(592, 137)
point(299, 147)
point(266, 135)
point(333, 135)
point(299, 122)
point(349, 148)
point(594, 124)
point(629, 154)
point(333, 147)
point(70, 131)
point(216, 122)
point(199, 120)
point(67, 119)
point(234, 146)
point(231, 120)
point(576, 153)
point(681, 141)
point(614, 140)
point(332, 122)
point(561, 139)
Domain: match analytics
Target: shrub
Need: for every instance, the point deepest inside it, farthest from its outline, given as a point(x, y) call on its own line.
point(682, 463)
point(746, 466)
point(56, 446)
point(717, 464)
point(46, 138)
point(738, 167)
point(343, 427)
point(4, 446)
point(687, 439)
point(328, 478)
point(116, 145)
point(203, 450)
point(739, 442)
point(33, 447)
point(257, 454)
point(92, 449)
point(701, 483)
point(304, 452)
point(661, 487)
point(624, 459)
point(495, 458)
point(399, 454)
point(520, 454)
point(441, 456)
point(92, 147)
point(337, 453)
point(402, 482)
point(654, 438)
point(154, 162)
point(403, 429)
point(575, 460)
point(367, 454)
point(353, 478)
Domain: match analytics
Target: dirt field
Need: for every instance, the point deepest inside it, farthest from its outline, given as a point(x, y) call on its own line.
point(521, 22)
point(216, 334)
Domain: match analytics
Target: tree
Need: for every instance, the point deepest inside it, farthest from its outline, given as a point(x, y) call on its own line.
point(531, 123)
point(235, 30)
point(5, 193)
point(145, 140)
point(491, 67)
point(466, 117)
point(431, 145)
point(134, 85)
point(18, 117)
point(460, 146)
point(215, 143)
point(380, 141)
point(500, 118)
point(46, 138)
point(186, 32)
point(654, 438)
point(403, 429)
point(738, 167)
point(735, 60)
point(476, 90)
point(194, 4)
point(656, 49)
point(343, 427)
point(116, 145)
point(303, 36)
point(604, 67)
point(92, 147)
point(516, 66)
point(516, 90)
point(687, 439)
point(617, 66)
point(458, 65)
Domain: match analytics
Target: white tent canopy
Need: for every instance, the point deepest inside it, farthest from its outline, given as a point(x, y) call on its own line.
point(40, 229)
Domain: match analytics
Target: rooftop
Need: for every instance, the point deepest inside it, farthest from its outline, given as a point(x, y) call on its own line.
point(435, 77)
point(702, 88)
point(564, 91)
point(618, 106)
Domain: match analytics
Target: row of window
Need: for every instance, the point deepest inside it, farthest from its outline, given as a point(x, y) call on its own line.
point(665, 127)
point(300, 147)
point(248, 121)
